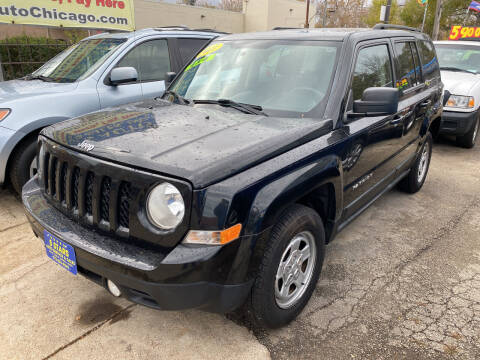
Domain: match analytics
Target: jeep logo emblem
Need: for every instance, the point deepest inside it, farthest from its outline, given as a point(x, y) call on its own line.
point(85, 146)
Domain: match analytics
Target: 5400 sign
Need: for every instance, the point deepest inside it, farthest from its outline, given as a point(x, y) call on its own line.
point(464, 32)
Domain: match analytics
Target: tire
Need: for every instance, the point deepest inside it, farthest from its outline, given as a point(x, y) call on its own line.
point(414, 181)
point(468, 140)
point(297, 225)
point(21, 161)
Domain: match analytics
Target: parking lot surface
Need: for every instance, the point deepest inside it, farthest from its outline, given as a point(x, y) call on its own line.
point(401, 282)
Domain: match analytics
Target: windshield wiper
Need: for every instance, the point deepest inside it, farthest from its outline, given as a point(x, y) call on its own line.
point(181, 100)
point(246, 108)
point(39, 77)
point(452, 68)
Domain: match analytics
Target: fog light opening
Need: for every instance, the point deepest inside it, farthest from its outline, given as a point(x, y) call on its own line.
point(113, 288)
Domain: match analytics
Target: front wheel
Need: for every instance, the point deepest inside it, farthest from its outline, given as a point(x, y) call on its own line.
point(414, 181)
point(23, 163)
point(468, 140)
point(290, 267)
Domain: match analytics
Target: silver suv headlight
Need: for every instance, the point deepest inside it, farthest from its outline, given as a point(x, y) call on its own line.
point(460, 101)
point(4, 113)
point(165, 206)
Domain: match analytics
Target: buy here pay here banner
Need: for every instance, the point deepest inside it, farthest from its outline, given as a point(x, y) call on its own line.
point(89, 14)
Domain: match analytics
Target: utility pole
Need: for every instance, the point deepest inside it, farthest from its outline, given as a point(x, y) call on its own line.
point(387, 11)
point(425, 15)
point(307, 25)
point(436, 23)
point(324, 17)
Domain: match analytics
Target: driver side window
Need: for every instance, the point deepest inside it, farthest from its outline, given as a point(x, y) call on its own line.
point(151, 59)
point(373, 69)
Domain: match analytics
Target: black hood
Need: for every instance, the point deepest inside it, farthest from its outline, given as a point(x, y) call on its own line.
point(202, 144)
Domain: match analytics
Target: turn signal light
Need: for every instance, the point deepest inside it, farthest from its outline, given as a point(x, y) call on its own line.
point(221, 237)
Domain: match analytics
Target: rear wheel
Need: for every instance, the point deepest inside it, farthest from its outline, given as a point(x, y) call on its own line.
point(416, 178)
point(468, 140)
point(23, 163)
point(289, 269)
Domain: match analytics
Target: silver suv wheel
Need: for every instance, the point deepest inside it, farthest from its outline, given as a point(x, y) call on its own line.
point(295, 269)
point(33, 167)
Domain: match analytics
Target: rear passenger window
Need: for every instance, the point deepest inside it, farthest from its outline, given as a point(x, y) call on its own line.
point(373, 69)
point(416, 58)
point(430, 67)
point(189, 47)
point(151, 59)
point(406, 75)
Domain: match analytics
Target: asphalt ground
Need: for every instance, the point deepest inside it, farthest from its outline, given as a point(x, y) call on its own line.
point(400, 282)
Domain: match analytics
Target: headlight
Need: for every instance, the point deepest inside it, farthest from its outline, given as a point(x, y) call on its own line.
point(459, 101)
point(4, 113)
point(165, 206)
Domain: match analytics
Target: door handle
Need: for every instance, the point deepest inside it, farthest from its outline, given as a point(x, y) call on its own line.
point(396, 120)
point(425, 104)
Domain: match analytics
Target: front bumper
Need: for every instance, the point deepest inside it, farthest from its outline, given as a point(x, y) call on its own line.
point(186, 277)
point(457, 123)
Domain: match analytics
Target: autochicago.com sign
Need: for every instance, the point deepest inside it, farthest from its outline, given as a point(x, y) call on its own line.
point(93, 14)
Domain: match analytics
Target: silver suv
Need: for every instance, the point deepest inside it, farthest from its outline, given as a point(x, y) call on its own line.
point(100, 71)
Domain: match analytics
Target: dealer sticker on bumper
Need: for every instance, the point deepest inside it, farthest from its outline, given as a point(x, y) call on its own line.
point(62, 253)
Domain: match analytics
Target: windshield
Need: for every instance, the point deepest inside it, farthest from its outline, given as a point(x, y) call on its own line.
point(456, 56)
point(78, 61)
point(285, 78)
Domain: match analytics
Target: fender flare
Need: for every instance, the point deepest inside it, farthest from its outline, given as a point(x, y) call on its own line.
point(272, 199)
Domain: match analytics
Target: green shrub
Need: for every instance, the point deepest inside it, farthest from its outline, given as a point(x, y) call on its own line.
point(20, 55)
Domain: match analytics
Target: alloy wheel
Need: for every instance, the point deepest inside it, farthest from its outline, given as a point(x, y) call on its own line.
point(424, 162)
point(295, 269)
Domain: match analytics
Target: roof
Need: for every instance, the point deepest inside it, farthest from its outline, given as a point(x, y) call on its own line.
point(455, 42)
point(168, 31)
point(329, 34)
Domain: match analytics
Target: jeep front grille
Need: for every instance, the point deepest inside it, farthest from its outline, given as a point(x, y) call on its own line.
point(74, 187)
point(106, 196)
point(63, 182)
point(89, 193)
point(53, 176)
point(96, 199)
point(105, 199)
point(124, 204)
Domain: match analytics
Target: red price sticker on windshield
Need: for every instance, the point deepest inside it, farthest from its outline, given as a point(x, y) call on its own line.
point(464, 32)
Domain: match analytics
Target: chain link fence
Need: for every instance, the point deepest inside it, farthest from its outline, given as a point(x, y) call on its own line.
point(22, 55)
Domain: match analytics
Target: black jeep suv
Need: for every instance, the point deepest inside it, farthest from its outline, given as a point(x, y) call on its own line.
point(225, 191)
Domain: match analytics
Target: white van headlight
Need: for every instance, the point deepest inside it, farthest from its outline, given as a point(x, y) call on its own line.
point(165, 206)
point(460, 101)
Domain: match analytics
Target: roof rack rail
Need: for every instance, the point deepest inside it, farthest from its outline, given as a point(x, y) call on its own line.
point(172, 27)
point(286, 28)
point(393, 26)
point(211, 30)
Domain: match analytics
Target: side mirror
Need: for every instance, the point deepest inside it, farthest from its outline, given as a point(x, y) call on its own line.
point(446, 96)
point(122, 75)
point(377, 101)
point(169, 76)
